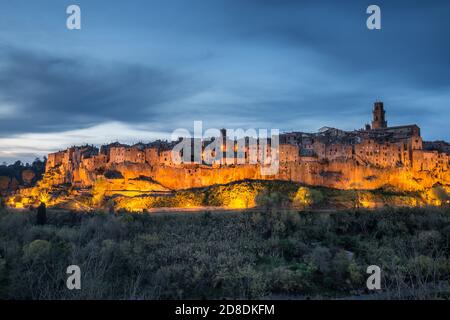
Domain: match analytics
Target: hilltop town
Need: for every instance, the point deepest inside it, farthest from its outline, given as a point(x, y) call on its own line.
point(373, 157)
point(376, 145)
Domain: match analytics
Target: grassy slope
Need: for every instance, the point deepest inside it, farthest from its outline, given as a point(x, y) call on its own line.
point(251, 193)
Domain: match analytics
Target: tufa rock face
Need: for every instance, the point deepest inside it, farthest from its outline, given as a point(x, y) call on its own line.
point(127, 181)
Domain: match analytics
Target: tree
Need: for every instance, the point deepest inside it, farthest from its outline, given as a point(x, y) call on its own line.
point(302, 198)
point(41, 218)
point(271, 200)
point(98, 191)
point(355, 198)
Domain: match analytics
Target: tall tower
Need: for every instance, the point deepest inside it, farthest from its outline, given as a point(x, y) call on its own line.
point(378, 116)
point(223, 133)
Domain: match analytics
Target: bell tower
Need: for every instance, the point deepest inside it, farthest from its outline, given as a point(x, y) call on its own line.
point(379, 120)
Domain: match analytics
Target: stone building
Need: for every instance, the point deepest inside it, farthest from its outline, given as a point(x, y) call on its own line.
point(288, 153)
point(152, 156)
point(379, 121)
point(376, 145)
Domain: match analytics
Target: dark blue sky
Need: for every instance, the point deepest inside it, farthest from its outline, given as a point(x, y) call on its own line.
point(139, 69)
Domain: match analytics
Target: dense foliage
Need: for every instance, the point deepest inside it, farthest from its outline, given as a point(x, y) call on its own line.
point(251, 254)
point(15, 170)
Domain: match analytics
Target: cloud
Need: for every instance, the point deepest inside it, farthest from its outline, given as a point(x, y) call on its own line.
point(287, 64)
point(43, 93)
point(410, 50)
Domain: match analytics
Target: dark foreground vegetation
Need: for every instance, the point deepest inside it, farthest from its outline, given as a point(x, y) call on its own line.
point(266, 254)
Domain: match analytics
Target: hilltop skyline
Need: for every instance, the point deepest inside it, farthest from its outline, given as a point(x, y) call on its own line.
point(139, 70)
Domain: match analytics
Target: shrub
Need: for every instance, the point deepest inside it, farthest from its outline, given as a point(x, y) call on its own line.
point(36, 251)
point(225, 255)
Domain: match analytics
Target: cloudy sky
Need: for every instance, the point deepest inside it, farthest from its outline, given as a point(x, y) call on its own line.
point(139, 69)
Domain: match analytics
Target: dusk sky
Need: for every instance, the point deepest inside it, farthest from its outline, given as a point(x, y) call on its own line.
point(137, 70)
